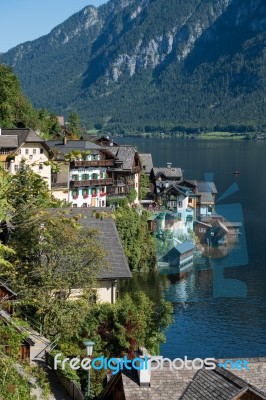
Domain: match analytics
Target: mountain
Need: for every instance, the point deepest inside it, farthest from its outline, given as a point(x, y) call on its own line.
point(174, 64)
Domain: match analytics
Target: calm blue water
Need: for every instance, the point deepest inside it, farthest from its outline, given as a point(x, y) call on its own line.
point(208, 323)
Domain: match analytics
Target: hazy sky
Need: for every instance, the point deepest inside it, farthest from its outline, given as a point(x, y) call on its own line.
point(23, 20)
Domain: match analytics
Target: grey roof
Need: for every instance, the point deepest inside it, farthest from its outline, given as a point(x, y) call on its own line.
point(184, 247)
point(218, 384)
point(109, 239)
point(146, 162)
point(10, 142)
point(186, 384)
point(204, 186)
point(73, 145)
point(165, 384)
point(23, 135)
point(125, 154)
point(168, 173)
point(206, 198)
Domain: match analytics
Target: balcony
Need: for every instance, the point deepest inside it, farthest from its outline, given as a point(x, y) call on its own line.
point(94, 163)
point(59, 185)
point(91, 182)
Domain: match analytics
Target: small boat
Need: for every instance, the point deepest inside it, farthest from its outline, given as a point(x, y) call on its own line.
point(236, 172)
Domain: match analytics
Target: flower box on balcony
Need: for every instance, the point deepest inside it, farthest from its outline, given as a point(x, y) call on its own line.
point(75, 196)
point(94, 195)
point(85, 196)
point(102, 194)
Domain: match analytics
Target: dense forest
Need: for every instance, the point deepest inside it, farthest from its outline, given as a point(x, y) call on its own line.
point(144, 66)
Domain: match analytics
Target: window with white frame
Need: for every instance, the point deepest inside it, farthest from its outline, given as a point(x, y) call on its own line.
point(34, 151)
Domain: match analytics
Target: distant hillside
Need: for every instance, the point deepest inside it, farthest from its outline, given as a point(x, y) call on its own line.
point(132, 64)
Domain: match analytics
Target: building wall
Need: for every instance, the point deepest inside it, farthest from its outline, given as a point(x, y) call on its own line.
point(95, 195)
point(35, 155)
point(106, 292)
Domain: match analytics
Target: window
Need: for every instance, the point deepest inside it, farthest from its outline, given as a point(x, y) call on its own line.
point(41, 151)
point(103, 190)
point(74, 205)
point(84, 205)
point(30, 157)
point(180, 204)
point(26, 151)
point(179, 215)
point(41, 166)
point(94, 176)
point(103, 203)
point(202, 230)
point(19, 152)
point(16, 167)
point(190, 200)
point(34, 151)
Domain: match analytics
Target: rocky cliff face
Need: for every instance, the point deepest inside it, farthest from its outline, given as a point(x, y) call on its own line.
point(93, 58)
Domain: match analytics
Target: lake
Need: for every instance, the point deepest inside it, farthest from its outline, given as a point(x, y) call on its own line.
point(206, 323)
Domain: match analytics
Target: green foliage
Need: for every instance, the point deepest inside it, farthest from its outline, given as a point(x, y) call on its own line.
point(117, 330)
point(74, 124)
point(139, 245)
point(12, 384)
point(212, 83)
point(132, 195)
point(144, 186)
point(14, 107)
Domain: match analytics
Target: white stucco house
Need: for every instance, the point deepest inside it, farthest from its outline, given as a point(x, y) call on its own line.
point(25, 144)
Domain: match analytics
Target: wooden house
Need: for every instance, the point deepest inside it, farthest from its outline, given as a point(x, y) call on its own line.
point(26, 343)
point(181, 255)
point(7, 297)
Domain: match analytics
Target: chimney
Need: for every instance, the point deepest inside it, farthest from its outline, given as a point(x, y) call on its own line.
point(145, 372)
point(169, 165)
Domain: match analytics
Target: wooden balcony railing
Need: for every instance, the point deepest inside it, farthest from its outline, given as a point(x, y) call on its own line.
point(94, 163)
point(92, 182)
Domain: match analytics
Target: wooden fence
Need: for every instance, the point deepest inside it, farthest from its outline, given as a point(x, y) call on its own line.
point(72, 389)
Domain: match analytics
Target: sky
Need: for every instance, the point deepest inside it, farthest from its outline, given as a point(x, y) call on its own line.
point(23, 20)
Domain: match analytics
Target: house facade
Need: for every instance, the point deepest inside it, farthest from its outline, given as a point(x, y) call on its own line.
point(25, 144)
point(115, 265)
point(86, 177)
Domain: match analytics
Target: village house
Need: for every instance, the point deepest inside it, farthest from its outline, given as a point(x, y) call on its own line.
point(181, 255)
point(26, 344)
point(206, 191)
point(188, 384)
point(25, 144)
point(115, 267)
point(161, 177)
point(215, 230)
point(7, 297)
point(146, 163)
point(125, 173)
point(82, 178)
point(127, 169)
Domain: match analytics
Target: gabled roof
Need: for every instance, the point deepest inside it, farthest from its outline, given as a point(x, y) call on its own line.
point(82, 145)
point(109, 240)
point(10, 142)
point(23, 135)
point(168, 173)
point(189, 384)
point(218, 384)
point(126, 154)
point(184, 247)
point(146, 162)
point(173, 186)
point(206, 187)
